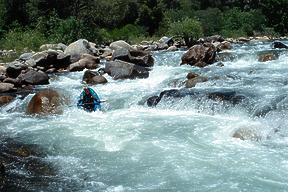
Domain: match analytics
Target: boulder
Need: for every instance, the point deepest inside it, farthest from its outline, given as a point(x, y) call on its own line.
point(59, 46)
point(6, 87)
point(50, 59)
point(193, 81)
point(225, 45)
point(16, 82)
point(141, 58)
point(167, 40)
point(5, 99)
point(214, 38)
point(267, 57)
point(247, 134)
point(78, 48)
point(32, 77)
point(172, 48)
point(124, 70)
point(25, 56)
point(93, 78)
point(46, 102)
point(200, 55)
point(279, 45)
point(14, 69)
point(120, 45)
point(87, 61)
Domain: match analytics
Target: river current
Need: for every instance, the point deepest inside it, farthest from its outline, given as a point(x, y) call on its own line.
point(178, 146)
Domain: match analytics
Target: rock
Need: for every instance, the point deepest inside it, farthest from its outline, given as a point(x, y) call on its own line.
point(6, 87)
point(46, 102)
point(214, 38)
point(279, 45)
point(50, 59)
point(167, 40)
point(93, 78)
point(59, 46)
point(243, 39)
point(78, 48)
point(153, 101)
point(192, 75)
point(2, 169)
point(86, 61)
point(25, 56)
point(120, 45)
point(5, 99)
point(33, 77)
point(247, 134)
point(16, 81)
point(141, 58)
point(124, 70)
point(106, 52)
point(172, 48)
point(14, 69)
point(225, 45)
point(200, 55)
point(193, 81)
point(267, 57)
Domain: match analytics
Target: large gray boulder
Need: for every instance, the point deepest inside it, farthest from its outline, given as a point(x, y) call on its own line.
point(49, 59)
point(200, 55)
point(78, 48)
point(124, 70)
point(32, 77)
point(120, 44)
point(87, 61)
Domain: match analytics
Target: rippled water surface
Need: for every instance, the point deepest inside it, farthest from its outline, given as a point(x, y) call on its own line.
point(182, 146)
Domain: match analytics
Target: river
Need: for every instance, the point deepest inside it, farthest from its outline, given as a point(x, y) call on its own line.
point(177, 146)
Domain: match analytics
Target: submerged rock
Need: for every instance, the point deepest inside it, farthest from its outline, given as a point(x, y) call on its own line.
point(46, 102)
point(279, 45)
point(5, 99)
point(247, 134)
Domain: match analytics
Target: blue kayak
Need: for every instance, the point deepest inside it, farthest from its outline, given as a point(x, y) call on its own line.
point(89, 100)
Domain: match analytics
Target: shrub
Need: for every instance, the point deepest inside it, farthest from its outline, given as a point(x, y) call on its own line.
point(21, 40)
point(190, 29)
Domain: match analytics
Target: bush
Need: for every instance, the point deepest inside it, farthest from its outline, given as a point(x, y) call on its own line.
point(127, 33)
point(23, 40)
point(190, 29)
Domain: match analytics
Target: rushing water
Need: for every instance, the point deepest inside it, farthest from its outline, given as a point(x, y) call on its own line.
point(181, 146)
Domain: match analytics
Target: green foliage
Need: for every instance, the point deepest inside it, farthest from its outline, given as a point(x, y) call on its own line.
point(127, 33)
point(244, 23)
point(20, 40)
point(190, 29)
point(211, 19)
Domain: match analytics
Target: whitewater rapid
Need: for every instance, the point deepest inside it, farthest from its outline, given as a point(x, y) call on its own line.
point(183, 146)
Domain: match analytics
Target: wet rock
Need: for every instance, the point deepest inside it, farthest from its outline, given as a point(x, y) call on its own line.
point(200, 55)
point(279, 45)
point(267, 57)
point(247, 134)
point(230, 96)
point(120, 45)
point(15, 68)
point(59, 46)
point(124, 70)
point(213, 39)
point(172, 48)
point(78, 48)
point(5, 99)
point(93, 78)
point(16, 82)
point(193, 81)
point(33, 77)
point(2, 169)
point(6, 87)
point(46, 102)
point(153, 101)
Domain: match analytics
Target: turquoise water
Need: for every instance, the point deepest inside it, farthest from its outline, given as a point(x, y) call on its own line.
point(181, 146)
